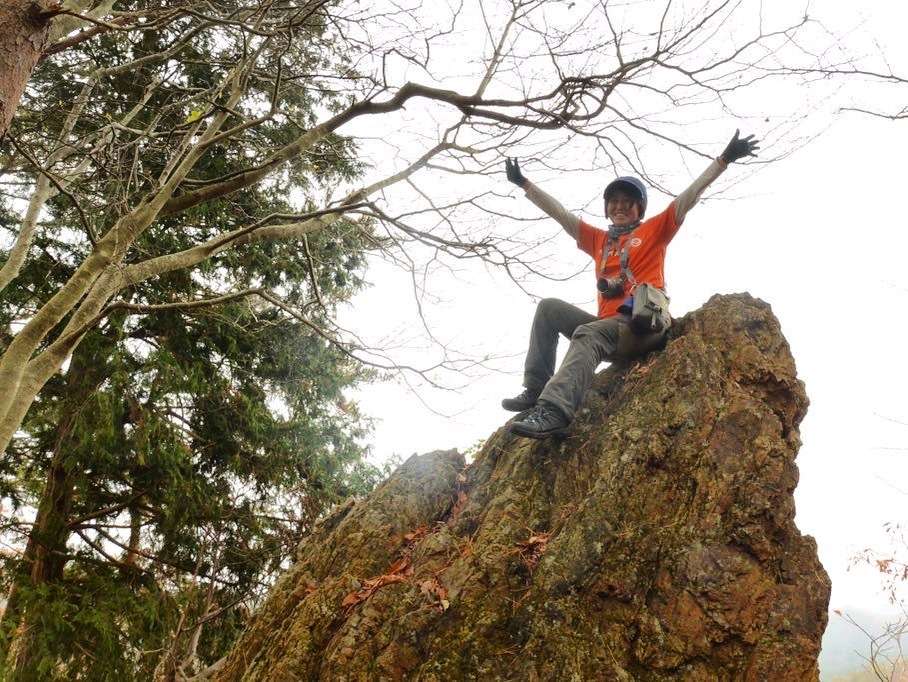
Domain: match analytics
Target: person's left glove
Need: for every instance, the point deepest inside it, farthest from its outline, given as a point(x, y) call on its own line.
point(739, 148)
point(512, 168)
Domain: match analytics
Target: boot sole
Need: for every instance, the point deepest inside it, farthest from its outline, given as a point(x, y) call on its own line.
point(529, 433)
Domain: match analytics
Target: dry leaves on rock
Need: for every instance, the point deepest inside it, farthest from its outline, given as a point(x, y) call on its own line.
point(417, 534)
point(398, 572)
point(462, 498)
point(533, 548)
point(436, 593)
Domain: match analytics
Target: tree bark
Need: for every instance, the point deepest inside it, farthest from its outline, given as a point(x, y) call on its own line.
point(24, 30)
point(45, 553)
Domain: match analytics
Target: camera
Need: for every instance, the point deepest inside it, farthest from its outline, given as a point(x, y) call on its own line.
point(610, 288)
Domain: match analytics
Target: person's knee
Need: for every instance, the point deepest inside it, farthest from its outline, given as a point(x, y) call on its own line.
point(548, 309)
point(547, 305)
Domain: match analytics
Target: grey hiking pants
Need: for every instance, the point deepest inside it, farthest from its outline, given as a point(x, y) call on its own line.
point(592, 341)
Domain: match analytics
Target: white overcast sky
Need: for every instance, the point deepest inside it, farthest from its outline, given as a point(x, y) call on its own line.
point(826, 221)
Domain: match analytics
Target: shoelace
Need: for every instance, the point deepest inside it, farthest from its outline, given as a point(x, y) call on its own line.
point(536, 417)
point(538, 414)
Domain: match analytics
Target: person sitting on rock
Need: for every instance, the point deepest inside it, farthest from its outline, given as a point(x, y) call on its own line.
point(630, 252)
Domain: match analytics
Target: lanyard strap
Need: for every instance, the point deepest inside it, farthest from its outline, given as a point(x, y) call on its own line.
point(623, 256)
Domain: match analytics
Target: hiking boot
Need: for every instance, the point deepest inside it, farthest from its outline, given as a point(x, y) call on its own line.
point(546, 420)
point(522, 402)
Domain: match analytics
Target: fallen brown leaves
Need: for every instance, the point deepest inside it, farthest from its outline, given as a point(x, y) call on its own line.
point(418, 534)
point(398, 572)
point(436, 592)
point(643, 370)
point(639, 372)
point(458, 505)
point(402, 569)
point(533, 548)
point(461, 500)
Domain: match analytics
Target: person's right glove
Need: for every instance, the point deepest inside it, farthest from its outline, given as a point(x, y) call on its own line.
point(512, 168)
point(739, 148)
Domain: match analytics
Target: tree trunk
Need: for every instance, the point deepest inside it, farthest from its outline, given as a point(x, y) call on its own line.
point(45, 554)
point(24, 28)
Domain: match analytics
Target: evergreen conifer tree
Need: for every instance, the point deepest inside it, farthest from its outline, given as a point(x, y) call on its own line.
point(164, 477)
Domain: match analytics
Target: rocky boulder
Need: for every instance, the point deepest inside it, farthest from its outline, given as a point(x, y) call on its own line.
point(655, 542)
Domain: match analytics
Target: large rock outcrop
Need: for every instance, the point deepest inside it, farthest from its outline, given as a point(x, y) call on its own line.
point(655, 542)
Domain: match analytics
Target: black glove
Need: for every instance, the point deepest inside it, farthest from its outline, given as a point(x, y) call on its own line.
point(738, 149)
point(512, 168)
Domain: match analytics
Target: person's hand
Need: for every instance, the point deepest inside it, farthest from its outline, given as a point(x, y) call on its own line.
point(512, 168)
point(739, 148)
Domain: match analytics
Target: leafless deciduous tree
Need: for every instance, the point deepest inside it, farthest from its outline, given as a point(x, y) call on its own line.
point(445, 88)
point(886, 656)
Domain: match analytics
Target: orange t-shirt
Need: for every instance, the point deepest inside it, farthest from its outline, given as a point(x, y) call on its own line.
point(646, 257)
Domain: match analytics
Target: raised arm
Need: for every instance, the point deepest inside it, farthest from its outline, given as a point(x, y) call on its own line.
point(736, 149)
point(546, 202)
